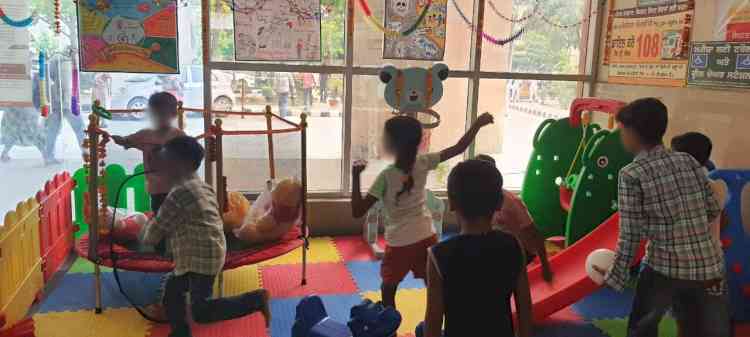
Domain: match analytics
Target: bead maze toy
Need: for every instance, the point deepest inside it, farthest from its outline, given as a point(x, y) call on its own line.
point(95, 200)
point(735, 239)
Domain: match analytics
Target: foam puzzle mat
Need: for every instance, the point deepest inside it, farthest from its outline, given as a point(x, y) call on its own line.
point(341, 271)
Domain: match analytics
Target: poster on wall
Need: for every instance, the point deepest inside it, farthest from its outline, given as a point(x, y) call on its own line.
point(427, 42)
point(649, 45)
point(732, 21)
point(274, 30)
point(15, 81)
point(132, 36)
point(720, 64)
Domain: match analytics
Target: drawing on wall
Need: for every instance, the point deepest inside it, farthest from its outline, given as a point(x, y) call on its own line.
point(128, 36)
point(427, 42)
point(277, 30)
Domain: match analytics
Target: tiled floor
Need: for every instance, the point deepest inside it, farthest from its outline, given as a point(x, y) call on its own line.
point(341, 271)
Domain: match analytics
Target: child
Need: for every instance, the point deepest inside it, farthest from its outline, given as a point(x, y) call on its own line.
point(666, 198)
point(471, 277)
point(190, 218)
point(513, 216)
point(401, 188)
point(163, 110)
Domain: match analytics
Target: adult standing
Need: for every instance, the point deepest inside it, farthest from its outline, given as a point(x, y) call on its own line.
point(308, 84)
point(60, 100)
point(283, 86)
point(323, 88)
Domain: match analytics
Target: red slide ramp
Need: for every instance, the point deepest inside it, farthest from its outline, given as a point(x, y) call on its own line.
point(570, 283)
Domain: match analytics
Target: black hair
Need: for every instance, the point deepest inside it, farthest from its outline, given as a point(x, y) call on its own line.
point(186, 149)
point(163, 102)
point(696, 144)
point(475, 188)
point(487, 158)
point(404, 135)
point(647, 117)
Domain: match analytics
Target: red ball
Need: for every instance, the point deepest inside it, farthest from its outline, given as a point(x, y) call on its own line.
point(726, 242)
point(737, 268)
point(155, 47)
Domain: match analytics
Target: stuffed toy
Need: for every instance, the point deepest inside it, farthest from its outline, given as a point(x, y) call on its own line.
point(273, 214)
point(127, 225)
point(412, 91)
point(239, 206)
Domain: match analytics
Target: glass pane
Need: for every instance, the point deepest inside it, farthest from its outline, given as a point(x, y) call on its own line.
point(332, 27)
point(519, 110)
point(368, 40)
point(36, 148)
point(246, 158)
point(369, 113)
point(550, 42)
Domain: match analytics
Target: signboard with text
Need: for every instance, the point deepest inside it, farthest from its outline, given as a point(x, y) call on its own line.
point(649, 45)
point(720, 64)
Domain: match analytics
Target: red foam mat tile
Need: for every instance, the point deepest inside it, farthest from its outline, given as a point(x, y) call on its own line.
point(353, 248)
point(283, 281)
point(253, 325)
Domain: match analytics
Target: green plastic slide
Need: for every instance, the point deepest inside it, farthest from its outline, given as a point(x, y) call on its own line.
point(555, 145)
point(595, 192)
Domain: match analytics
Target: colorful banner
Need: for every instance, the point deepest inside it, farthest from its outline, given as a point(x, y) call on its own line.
point(276, 30)
point(131, 36)
point(427, 42)
point(733, 20)
point(720, 64)
point(649, 45)
point(15, 80)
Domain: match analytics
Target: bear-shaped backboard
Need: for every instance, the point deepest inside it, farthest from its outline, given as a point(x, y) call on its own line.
point(412, 91)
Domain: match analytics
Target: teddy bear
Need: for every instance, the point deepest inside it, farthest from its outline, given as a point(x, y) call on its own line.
point(273, 214)
point(412, 91)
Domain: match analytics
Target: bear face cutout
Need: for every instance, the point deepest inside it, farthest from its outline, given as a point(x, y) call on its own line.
point(413, 90)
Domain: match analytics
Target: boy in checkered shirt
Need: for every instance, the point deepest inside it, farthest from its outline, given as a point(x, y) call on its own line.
point(191, 221)
point(666, 198)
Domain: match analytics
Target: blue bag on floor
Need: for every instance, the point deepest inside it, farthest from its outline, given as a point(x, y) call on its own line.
point(312, 320)
point(370, 319)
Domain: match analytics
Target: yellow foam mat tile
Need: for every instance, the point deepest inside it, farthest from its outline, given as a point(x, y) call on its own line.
point(411, 303)
point(321, 250)
point(112, 322)
point(239, 281)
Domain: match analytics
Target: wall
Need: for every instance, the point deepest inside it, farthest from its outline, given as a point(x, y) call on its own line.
point(719, 113)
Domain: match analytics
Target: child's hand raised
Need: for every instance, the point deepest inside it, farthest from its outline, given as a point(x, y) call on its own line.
point(485, 119)
point(358, 166)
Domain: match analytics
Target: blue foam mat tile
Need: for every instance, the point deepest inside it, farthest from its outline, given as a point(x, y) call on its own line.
point(76, 291)
point(605, 303)
point(283, 311)
point(568, 329)
point(366, 275)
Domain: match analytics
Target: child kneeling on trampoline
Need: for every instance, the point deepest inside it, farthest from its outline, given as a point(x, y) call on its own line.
point(191, 221)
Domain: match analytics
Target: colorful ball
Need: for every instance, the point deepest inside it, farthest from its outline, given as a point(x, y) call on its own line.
point(602, 258)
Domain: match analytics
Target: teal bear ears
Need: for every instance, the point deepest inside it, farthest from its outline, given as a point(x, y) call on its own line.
point(413, 90)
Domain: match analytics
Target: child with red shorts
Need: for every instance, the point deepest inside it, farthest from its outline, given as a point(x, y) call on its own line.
point(401, 188)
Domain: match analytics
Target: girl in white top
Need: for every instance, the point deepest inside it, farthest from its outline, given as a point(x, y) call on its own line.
point(401, 188)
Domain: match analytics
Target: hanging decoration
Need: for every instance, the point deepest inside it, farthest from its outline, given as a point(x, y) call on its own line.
point(390, 32)
point(487, 37)
point(58, 25)
point(414, 91)
point(16, 23)
point(43, 105)
point(533, 12)
point(536, 11)
point(75, 91)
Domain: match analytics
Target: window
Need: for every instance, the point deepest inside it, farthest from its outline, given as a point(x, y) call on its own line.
point(521, 83)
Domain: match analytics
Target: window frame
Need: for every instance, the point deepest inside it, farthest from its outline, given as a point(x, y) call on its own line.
point(590, 50)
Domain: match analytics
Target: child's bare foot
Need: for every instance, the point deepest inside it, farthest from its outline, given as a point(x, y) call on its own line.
point(265, 308)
